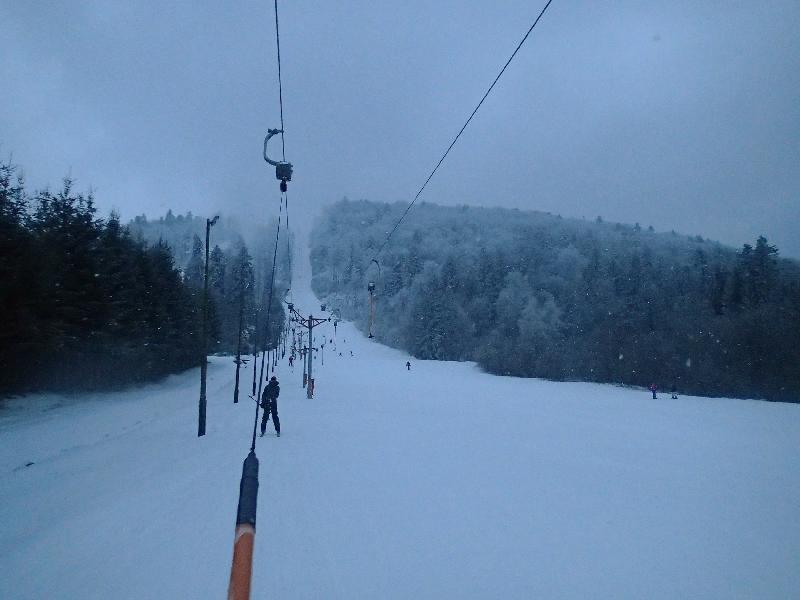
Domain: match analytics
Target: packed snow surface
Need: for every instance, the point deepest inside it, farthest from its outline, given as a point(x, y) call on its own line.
point(438, 482)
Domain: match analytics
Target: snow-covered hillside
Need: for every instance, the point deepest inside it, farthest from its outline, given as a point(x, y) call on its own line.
point(439, 482)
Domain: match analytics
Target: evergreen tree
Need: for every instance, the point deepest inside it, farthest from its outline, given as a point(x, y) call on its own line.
point(87, 305)
point(536, 295)
point(195, 269)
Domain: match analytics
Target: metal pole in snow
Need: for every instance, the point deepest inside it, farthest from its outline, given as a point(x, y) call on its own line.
point(255, 356)
point(310, 386)
point(305, 364)
point(239, 339)
point(201, 421)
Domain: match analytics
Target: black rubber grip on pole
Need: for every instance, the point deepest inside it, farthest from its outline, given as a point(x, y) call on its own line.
point(248, 492)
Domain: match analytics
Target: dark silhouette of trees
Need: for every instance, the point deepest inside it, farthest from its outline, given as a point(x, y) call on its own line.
point(87, 306)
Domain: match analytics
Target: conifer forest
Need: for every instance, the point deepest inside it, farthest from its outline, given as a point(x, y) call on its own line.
point(90, 303)
point(536, 295)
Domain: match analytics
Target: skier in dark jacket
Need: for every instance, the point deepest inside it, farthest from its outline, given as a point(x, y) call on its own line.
point(269, 402)
point(408, 365)
point(654, 389)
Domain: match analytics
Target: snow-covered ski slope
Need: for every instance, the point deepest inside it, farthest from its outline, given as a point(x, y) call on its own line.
point(441, 482)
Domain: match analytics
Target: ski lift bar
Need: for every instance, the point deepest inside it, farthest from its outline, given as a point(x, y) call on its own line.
point(283, 169)
point(244, 538)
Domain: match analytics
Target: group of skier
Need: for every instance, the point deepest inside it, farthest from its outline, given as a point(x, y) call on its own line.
point(269, 400)
point(673, 390)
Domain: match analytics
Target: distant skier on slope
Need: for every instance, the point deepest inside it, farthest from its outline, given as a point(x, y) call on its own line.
point(654, 388)
point(408, 365)
point(674, 391)
point(269, 402)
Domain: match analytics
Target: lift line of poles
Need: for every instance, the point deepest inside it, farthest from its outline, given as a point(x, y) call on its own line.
point(309, 323)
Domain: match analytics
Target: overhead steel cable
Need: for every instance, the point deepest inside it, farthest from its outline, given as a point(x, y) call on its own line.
point(267, 326)
point(284, 198)
point(288, 241)
point(280, 82)
point(283, 140)
point(241, 568)
point(463, 127)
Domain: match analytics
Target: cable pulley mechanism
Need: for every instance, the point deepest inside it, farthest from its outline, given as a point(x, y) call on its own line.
point(283, 169)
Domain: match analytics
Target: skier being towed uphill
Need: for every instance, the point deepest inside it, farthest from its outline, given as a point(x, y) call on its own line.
point(269, 402)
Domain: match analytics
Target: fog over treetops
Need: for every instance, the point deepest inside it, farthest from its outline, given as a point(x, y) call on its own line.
point(682, 114)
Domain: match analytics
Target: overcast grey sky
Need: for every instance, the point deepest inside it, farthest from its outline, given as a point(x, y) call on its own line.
point(683, 114)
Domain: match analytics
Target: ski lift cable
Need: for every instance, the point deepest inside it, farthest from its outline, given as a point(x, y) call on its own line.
point(280, 82)
point(283, 199)
point(288, 241)
point(244, 536)
point(458, 135)
point(283, 169)
point(267, 325)
point(241, 568)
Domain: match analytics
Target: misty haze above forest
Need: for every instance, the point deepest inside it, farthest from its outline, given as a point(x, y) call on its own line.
point(682, 113)
point(537, 295)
